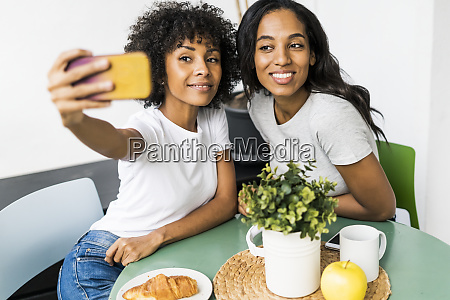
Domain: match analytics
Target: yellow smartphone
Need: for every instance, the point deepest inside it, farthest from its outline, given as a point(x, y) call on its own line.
point(130, 73)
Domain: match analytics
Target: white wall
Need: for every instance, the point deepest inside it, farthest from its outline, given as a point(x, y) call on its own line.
point(397, 49)
point(32, 34)
point(438, 205)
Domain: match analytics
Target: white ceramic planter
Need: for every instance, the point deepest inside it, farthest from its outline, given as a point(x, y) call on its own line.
point(292, 264)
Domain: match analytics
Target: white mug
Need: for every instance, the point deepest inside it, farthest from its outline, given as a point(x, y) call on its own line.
point(361, 244)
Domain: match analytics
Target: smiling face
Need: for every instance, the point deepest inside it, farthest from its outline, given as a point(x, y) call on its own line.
point(282, 54)
point(193, 73)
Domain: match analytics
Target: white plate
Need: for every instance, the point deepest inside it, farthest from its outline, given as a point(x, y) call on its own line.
point(203, 282)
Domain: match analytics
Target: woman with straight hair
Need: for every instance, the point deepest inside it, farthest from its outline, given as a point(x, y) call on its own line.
point(300, 101)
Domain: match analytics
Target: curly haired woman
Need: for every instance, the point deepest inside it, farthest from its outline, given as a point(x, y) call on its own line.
point(159, 202)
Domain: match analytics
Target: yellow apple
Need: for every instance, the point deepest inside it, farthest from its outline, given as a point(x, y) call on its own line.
point(343, 280)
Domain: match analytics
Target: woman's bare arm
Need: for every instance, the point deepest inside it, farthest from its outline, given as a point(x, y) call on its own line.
point(220, 209)
point(71, 100)
point(371, 196)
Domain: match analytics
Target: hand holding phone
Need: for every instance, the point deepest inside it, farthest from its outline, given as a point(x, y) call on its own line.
point(130, 74)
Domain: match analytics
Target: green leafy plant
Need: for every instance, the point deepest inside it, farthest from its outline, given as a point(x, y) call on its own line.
point(289, 203)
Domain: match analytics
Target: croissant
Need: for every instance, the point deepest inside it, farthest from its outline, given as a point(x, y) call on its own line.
point(162, 287)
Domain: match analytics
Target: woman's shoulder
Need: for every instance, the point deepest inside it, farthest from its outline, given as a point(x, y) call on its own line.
point(145, 119)
point(331, 106)
point(322, 102)
point(145, 115)
point(329, 111)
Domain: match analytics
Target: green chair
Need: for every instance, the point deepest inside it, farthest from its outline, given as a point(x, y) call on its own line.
point(398, 163)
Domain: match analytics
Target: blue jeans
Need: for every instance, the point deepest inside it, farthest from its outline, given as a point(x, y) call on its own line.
point(85, 274)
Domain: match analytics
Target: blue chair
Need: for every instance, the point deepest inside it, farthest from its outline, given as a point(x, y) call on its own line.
point(39, 229)
point(398, 162)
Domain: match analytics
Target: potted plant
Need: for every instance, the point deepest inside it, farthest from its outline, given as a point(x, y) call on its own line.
point(291, 212)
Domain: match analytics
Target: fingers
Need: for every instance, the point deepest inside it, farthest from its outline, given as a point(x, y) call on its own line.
point(66, 107)
point(69, 92)
point(60, 80)
point(118, 256)
point(72, 99)
point(63, 59)
point(79, 72)
point(241, 205)
point(242, 210)
point(128, 250)
point(122, 251)
point(118, 253)
point(58, 76)
point(129, 259)
point(110, 253)
point(57, 71)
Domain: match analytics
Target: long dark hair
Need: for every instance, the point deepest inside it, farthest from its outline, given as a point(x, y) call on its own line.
point(324, 76)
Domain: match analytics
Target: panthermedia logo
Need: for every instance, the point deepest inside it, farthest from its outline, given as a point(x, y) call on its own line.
point(249, 150)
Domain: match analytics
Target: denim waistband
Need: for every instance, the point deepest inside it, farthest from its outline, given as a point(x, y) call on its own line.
point(100, 237)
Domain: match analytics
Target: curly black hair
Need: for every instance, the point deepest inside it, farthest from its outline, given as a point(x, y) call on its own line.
point(159, 30)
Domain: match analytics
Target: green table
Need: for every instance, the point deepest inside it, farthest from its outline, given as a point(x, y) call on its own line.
point(418, 264)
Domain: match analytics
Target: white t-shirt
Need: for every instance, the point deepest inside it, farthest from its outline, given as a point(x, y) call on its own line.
point(326, 128)
point(174, 176)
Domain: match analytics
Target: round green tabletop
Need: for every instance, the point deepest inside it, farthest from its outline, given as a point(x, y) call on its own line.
point(418, 264)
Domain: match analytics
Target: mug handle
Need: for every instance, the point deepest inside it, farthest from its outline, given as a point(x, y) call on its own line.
point(382, 244)
point(251, 233)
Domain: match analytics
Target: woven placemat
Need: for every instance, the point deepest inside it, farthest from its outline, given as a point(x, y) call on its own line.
point(243, 277)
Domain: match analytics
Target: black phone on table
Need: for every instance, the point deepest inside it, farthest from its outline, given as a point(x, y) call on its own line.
point(333, 243)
